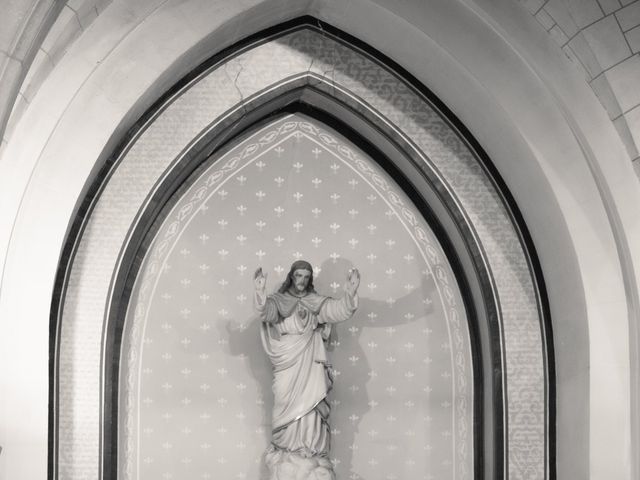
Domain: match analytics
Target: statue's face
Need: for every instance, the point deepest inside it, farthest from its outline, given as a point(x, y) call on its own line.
point(301, 280)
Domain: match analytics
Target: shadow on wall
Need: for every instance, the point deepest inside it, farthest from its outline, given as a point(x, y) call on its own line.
point(246, 343)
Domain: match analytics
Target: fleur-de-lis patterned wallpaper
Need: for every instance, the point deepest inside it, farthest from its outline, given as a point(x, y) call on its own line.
point(196, 385)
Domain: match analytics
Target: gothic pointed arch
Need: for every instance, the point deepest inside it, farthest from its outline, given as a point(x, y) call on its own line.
point(301, 83)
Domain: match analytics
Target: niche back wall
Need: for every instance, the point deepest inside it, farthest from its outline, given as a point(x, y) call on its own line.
point(197, 385)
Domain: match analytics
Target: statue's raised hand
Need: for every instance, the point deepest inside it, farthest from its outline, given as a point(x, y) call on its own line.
point(260, 280)
point(353, 281)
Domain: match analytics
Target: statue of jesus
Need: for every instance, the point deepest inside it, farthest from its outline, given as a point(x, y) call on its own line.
point(296, 323)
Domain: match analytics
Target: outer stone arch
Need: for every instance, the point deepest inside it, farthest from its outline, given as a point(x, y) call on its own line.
point(225, 93)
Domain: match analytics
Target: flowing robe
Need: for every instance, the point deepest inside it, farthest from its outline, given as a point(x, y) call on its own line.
point(293, 332)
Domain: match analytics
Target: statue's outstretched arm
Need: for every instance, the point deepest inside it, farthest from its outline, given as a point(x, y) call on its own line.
point(339, 310)
point(266, 308)
point(353, 282)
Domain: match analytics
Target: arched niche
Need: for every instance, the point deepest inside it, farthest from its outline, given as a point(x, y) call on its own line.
point(425, 153)
point(195, 384)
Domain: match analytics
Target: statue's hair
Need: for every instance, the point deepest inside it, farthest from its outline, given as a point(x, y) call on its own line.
point(298, 265)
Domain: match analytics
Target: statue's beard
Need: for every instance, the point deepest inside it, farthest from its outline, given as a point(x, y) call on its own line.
point(299, 288)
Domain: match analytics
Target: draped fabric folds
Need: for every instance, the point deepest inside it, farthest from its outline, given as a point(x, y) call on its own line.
point(293, 332)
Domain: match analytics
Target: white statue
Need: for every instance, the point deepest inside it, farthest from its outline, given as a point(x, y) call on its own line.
point(296, 322)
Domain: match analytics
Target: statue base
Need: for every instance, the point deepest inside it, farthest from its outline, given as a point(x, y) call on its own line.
point(284, 465)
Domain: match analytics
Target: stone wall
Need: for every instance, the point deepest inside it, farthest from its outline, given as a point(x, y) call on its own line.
point(602, 39)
